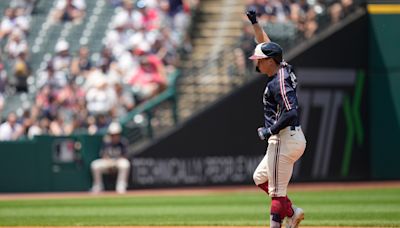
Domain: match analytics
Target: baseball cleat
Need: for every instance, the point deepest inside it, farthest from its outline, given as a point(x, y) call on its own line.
point(96, 189)
point(294, 221)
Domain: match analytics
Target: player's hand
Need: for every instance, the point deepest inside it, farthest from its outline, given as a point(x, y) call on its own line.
point(264, 133)
point(251, 14)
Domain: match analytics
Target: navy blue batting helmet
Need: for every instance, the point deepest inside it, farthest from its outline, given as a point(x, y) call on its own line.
point(268, 50)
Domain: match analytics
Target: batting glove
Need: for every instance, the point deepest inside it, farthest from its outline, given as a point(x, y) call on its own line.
point(264, 133)
point(251, 14)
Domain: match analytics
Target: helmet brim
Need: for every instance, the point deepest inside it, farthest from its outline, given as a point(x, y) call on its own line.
point(254, 57)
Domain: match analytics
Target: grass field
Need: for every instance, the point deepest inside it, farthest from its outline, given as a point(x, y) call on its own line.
point(365, 207)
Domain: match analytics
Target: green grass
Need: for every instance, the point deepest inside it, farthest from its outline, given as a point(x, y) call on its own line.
point(331, 208)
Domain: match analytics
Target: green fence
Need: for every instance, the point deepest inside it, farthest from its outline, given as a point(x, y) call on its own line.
point(384, 106)
point(48, 163)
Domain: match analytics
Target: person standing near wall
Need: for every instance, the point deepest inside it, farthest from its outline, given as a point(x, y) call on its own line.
point(112, 159)
point(286, 141)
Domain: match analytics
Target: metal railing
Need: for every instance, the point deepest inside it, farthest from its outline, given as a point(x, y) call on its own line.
point(139, 123)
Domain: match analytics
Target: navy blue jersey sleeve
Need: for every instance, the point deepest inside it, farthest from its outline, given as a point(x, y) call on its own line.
point(288, 118)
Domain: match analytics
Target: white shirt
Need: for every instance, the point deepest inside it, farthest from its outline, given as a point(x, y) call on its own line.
point(21, 22)
point(14, 48)
point(7, 132)
point(100, 101)
point(79, 4)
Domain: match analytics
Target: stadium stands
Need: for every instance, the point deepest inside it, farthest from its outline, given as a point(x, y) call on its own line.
point(110, 85)
point(126, 41)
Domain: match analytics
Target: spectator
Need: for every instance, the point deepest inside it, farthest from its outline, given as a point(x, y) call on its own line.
point(7, 24)
point(81, 64)
point(91, 123)
point(11, 130)
point(167, 43)
point(34, 130)
point(112, 157)
point(118, 38)
point(335, 12)
point(148, 16)
point(43, 97)
point(46, 100)
point(128, 63)
point(35, 127)
point(128, 16)
point(13, 19)
point(58, 126)
point(62, 60)
point(310, 24)
point(26, 5)
point(100, 99)
point(27, 122)
point(70, 97)
point(16, 44)
point(22, 20)
point(149, 80)
point(125, 102)
point(55, 79)
point(95, 76)
point(69, 10)
point(39, 127)
point(22, 71)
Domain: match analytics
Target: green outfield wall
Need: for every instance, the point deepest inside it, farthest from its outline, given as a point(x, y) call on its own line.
point(384, 90)
point(48, 163)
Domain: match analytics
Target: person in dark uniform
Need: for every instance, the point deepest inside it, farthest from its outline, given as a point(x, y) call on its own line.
point(112, 157)
point(282, 131)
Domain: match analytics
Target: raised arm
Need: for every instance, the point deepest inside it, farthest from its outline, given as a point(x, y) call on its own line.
point(261, 36)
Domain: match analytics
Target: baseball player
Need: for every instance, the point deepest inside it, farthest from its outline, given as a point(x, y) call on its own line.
point(112, 157)
point(286, 142)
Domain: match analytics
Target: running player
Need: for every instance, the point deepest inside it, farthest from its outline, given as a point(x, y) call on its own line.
point(286, 142)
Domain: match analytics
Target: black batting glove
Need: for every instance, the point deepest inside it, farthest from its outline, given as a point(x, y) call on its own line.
point(251, 14)
point(264, 133)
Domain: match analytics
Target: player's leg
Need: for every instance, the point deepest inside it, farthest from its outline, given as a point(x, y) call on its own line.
point(260, 175)
point(293, 146)
point(123, 174)
point(278, 203)
point(98, 167)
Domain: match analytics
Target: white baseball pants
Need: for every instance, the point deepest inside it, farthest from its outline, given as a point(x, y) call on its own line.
point(100, 166)
point(284, 149)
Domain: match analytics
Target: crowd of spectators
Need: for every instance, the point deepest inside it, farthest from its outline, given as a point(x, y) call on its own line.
point(14, 51)
point(288, 21)
point(303, 15)
point(83, 91)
